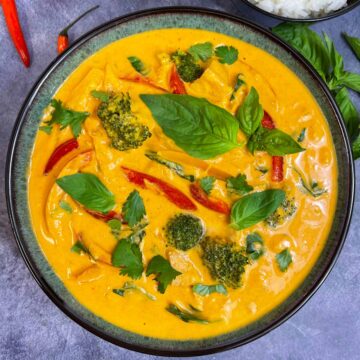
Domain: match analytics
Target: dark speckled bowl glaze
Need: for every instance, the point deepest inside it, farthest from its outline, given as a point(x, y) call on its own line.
point(23, 139)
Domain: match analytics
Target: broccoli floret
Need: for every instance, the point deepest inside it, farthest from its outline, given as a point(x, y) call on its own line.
point(186, 66)
point(284, 212)
point(121, 125)
point(184, 231)
point(225, 262)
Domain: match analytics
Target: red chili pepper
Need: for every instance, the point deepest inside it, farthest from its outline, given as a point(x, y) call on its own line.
point(63, 37)
point(172, 194)
point(213, 204)
point(176, 84)
point(105, 217)
point(277, 173)
point(59, 153)
point(142, 80)
point(14, 27)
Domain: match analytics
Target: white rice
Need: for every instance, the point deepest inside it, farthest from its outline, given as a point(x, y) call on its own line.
point(300, 9)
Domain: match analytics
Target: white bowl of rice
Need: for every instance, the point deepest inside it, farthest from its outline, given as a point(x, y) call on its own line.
point(304, 9)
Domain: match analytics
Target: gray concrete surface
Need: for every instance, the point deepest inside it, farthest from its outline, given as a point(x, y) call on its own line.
point(31, 327)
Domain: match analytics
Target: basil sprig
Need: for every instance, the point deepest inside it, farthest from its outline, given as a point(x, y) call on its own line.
point(201, 129)
point(255, 207)
point(354, 43)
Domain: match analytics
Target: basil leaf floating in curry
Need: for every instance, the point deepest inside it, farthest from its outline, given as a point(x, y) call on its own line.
point(186, 65)
point(65, 206)
point(354, 43)
point(185, 315)
point(133, 209)
point(238, 185)
point(101, 95)
point(138, 65)
point(204, 290)
point(250, 113)
point(255, 207)
point(226, 54)
point(127, 256)
point(203, 51)
point(239, 82)
point(66, 117)
point(284, 259)
point(254, 246)
point(129, 286)
point(207, 183)
point(163, 271)
point(201, 129)
point(88, 190)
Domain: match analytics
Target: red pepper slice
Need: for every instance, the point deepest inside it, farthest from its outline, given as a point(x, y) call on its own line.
point(277, 173)
point(142, 80)
point(60, 152)
point(176, 84)
point(172, 194)
point(14, 27)
point(105, 217)
point(63, 43)
point(213, 204)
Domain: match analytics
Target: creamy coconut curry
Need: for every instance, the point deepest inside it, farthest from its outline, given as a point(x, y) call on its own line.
point(182, 183)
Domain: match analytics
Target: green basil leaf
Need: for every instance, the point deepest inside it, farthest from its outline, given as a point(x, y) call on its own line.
point(336, 60)
point(254, 246)
point(226, 54)
point(207, 184)
point(239, 82)
point(204, 290)
point(201, 129)
point(133, 209)
point(351, 80)
point(138, 65)
point(164, 272)
point(65, 206)
point(250, 113)
point(101, 95)
point(284, 259)
point(88, 190)
point(255, 207)
point(185, 316)
point(203, 51)
point(128, 257)
point(238, 184)
point(356, 148)
point(308, 43)
point(354, 44)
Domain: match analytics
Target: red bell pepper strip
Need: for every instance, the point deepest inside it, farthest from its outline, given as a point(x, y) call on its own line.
point(63, 37)
point(172, 194)
point(14, 27)
point(60, 152)
point(277, 173)
point(142, 80)
point(105, 217)
point(213, 204)
point(176, 84)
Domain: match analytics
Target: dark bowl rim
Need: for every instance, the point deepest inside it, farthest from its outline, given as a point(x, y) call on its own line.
point(331, 15)
point(9, 178)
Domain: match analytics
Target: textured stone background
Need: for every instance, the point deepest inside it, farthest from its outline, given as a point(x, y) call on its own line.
point(31, 327)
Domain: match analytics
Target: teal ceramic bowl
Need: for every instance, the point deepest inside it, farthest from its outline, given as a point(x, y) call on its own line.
point(27, 125)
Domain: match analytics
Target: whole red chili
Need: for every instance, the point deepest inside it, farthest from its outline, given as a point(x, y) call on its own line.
point(14, 27)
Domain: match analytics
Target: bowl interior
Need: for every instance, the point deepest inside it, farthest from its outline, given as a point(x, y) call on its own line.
point(27, 126)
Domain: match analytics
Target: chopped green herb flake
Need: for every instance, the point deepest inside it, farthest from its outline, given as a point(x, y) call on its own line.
point(185, 315)
point(204, 290)
point(254, 246)
point(65, 206)
point(239, 82)
point(129, 286)
point(238, 185)
point(284, 259)
point(203, 51)
point(226, 54)
point(301, 137)
point(46, 129)
point(138, 65)
point(101, 95)
point(79, 247)
point(134, 209)
point(207, 183)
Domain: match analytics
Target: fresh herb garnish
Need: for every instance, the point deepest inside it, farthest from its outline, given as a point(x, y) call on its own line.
point(128, 286)
point(101, 95)
point(226, 54)
point(88, 190)
point(201, 129)
point(138, 65)
point(254, 246)
point(203, 51)
point(133, 209)
point(163, 271)
point(255, 207)
point(66, 117)
point(79, 247)
point(185, 315)
point(238, 83)
point(284, 259)
point(313, 188)
point(46, 129)
point(175, 167)
point(354, 43)
point(115, 227)
point(128, 257)
point(204, 290)
point(238, 184)
point(262, 169)
point(207, 183)
point(301, 136)
point(65, 206)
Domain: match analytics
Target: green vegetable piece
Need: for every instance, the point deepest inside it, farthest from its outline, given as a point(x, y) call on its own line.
point(184, 231)
point(163, 271)
point(284, 212)
point(173, 166)
point(101, 95)
point(133, 209)
point(138, 65)
point(255, 207)
point(128, 257)
point(66, 117)
point(250, 113)
point(336, 60)
point(239, 82)
point(226, 54)
point(185, 316)
point(254, 246)
point(225, 262)
point(301, 136)
point(46, 129)
point(88, 190)
point(354, 43)
point(204, 290)
point(238, 184)
point(284, 259)
point(203, 51)
point(187, 67)
point(207, 183)
point(201, 129)
point(351, 80)
point(79, 247)
point(65, 206)
point(129, 286)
